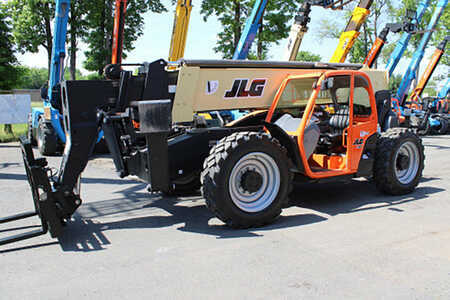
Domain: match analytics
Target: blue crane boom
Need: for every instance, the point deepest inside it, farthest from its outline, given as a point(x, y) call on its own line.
point(402, 44)
point(251, 28)
point(410, 73)
point(445, 89)
point(57, 62)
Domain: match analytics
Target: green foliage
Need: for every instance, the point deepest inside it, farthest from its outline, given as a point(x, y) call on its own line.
point(33, 78)
point(17, 130)
point(9, 71)
point(92, 76)
point(233, 14)
point(308, 56)
point(394, 82)
point(100, 21)
point(31, 21)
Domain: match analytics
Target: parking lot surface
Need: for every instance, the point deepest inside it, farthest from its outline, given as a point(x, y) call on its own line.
point(336, 241)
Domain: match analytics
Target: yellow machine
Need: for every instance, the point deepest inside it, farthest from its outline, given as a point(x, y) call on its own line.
point(351, 32)
point(180, 29)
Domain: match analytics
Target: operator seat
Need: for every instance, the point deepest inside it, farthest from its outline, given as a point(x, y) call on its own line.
point(338, 122)
point(312, 132)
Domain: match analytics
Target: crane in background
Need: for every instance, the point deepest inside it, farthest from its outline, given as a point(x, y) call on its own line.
point(402, 44)
point(411, 71)
point(407, 26)
point(180, 29)
point(351, 32)
point(300, 26)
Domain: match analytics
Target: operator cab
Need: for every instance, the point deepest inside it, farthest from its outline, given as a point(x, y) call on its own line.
point(329, 116)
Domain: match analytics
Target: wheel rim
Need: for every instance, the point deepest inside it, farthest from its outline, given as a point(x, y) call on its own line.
point(407, 162)
point(268, 186)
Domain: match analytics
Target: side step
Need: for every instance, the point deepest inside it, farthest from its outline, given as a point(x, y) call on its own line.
point(44, 205)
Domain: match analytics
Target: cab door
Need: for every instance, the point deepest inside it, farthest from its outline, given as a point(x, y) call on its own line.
point(362, 123)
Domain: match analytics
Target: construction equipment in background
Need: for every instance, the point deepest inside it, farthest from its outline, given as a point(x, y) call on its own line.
point(414, 98)
point(245, 168)
point(408, 26)
point(351, 32)
point(429, 114)
point(180, 29)
point(441, 104)
point(119, 25)
point(250, 30)
point(45, 124)
point(410, 74)
point(300, 25)
point(402, 44)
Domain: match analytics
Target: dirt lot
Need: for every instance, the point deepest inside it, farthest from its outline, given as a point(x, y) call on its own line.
point(335, 241)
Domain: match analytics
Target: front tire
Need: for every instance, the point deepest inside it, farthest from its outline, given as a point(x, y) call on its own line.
point(246, 179)
point(399, 161)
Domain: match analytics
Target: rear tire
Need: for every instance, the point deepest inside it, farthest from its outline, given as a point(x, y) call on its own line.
point(444, 126)
point(426, 130)
point(47, 141)
point(246, 179)
point(399, 161)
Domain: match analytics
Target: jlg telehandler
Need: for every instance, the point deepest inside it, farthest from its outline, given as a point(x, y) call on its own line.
point(308, 122)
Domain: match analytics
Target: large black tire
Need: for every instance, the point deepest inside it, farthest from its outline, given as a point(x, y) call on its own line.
point(444, 126)
point(246, 164)
point(30, 135)
point(399, 161)
point(47, 141)
point(426, 129)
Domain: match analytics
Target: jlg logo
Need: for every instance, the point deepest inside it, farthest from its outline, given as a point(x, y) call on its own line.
point(240, 90)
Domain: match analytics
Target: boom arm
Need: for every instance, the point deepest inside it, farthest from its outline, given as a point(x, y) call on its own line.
point(119, 22)
point(59, 44)
point(440, 49)
point(410, 73)
point(180, 29)
point(402, 44)
point(407, 26)
point(250, 30)
point(351, 32)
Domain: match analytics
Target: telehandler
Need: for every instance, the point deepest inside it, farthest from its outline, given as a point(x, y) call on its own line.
point(308, 122)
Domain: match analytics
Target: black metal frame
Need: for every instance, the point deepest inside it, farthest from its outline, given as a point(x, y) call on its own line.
point(37, 178)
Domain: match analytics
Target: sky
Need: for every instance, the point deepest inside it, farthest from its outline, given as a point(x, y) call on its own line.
point(202, 36)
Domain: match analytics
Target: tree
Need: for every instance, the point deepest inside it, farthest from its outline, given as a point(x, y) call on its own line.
point(9, 72)
point(308, 56)
point(31, 21)
point(394, 82)
point(33, 78)
point(100, 21)
point(77, 27)
point(32, 27)
point(233, 14)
